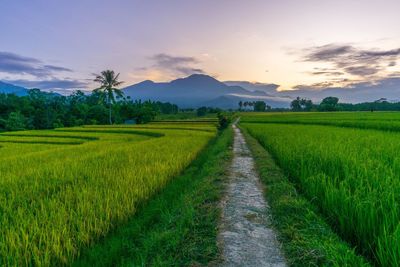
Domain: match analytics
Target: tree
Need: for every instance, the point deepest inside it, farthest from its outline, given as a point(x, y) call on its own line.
point(295, 105)
point(306, 104)
point(109, 81)
point(15, 122)
point(259, 106)
point(201, 111)
point(301, 104)
point(329, 103)
point(240, 104)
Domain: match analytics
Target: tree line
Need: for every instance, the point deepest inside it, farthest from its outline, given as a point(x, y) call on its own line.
point(105, 105)
point(329, 103)
point(41, 110)
point(332, 104)
point(254, 105)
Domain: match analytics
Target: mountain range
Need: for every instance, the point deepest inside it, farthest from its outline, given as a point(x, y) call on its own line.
point(201, 90)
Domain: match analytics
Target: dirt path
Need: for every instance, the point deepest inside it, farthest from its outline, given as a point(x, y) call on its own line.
point(245, 237)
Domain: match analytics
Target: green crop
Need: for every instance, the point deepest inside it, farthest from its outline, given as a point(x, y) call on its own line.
point(352, 175)
point(61, 190)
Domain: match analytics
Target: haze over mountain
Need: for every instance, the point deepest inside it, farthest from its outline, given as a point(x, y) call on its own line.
point(388, 88)
point(199, 90)
point(7, 88)
point(269, 88)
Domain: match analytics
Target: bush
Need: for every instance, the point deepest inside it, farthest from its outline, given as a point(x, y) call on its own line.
point(202, 111)
point(223, 120)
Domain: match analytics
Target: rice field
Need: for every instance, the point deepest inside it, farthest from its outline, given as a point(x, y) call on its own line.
point(61, 190)
point(348, 165)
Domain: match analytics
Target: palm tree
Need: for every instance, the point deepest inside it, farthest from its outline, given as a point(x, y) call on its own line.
point(109, 82)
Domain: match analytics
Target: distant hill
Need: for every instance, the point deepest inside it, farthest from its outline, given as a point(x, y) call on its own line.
point(7, 88)
point(269, 88)
point(199, 90)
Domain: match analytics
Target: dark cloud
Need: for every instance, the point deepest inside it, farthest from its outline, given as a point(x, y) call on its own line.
point(362, 70)
point(50, 84)
point(15, 64)
point(327, 52)
point(351, 60)
point(314, 86)
point(328, 73)
point(178, 64)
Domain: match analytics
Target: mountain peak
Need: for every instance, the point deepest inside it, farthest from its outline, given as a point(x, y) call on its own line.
point(198, 80)
point(147, 82)
point(200, 76)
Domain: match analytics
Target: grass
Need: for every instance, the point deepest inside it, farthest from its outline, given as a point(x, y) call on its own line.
point(350, 174)
point(56, 199)
point(307, 239)
point(178, 226)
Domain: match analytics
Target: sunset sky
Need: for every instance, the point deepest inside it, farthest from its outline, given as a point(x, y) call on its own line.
point(292, 43)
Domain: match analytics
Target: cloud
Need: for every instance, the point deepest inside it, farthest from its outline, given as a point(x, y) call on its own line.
point(178, 65)
point(327, 52)
point(362, 70)
point(351, 60)
point(328, 73)
point(16, 64)
point(50, 84)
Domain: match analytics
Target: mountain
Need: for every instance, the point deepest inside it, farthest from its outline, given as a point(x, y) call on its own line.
point(199, 90)
point(268, 88)
point(7, 88)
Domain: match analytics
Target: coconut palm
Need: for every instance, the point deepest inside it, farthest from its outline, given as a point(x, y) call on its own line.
point(109, 82)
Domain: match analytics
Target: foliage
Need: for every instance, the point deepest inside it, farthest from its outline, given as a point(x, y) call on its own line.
point(43, 110)
point(224, 119)
point(332, 104)
point(257, 106)
point(201, 111)
point(108, 83)
point(329, 104)
point(379, 105)
point(301, 104)
point(64, 189)
point(15, 122)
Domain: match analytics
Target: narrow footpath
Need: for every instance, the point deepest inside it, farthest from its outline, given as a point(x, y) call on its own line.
point(245, 236)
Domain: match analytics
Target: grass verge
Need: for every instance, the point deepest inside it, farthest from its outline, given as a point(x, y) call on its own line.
point(306, 238)
point(178, 227)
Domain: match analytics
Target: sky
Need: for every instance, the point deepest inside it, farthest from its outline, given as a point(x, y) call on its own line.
point(295, 44)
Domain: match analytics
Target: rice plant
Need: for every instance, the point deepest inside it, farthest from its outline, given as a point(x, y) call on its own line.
point(352, 175)
point(61, 190)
